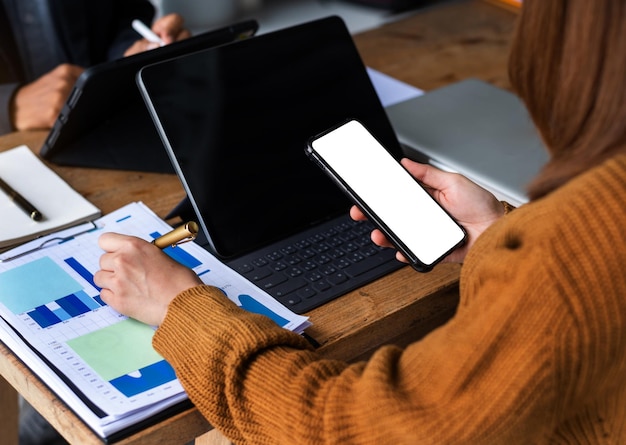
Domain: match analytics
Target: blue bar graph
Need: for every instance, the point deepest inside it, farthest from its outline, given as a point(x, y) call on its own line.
point(62, 314)
point(147, 378)
point(81, 270)
point(44, 316)
point(54, 296)
point(88, 301)
point(69, 306)
point(72, 305)
point(99, 300)
point(178, 254)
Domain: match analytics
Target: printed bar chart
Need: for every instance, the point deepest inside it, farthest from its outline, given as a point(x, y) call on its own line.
point(49, 298)
point(64, 308)
point(59, 297)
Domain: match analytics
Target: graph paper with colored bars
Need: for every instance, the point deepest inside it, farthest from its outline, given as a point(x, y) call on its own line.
point(49, 297)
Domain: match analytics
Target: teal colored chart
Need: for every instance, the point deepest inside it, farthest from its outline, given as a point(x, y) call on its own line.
point(35, 284)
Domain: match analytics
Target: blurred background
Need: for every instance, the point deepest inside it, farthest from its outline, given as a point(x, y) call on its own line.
point(359, 15)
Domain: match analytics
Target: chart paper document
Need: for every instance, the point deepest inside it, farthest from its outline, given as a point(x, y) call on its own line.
point(98, 361)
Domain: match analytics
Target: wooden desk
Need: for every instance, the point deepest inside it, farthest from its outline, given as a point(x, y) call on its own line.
point(435, 47)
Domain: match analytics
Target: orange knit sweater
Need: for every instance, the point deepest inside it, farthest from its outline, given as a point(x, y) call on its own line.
point(536, 352)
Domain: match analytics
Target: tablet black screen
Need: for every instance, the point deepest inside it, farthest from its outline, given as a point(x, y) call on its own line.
point(237, 118)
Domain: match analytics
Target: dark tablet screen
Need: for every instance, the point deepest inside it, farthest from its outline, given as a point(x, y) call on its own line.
point(236, 120)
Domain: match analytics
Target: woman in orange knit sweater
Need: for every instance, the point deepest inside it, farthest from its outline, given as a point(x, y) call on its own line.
point(536, 352)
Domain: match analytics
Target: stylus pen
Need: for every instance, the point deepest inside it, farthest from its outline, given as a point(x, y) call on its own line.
point(21, 202)
point(146, 32)
point(182, 234)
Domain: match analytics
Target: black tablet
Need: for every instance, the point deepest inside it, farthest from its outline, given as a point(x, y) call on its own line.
point(105, 123)
point(235, 120)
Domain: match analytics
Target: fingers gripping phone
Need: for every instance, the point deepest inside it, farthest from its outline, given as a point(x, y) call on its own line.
point(386, 192)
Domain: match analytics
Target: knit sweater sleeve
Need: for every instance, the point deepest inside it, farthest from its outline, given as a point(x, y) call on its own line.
point(462, 384)
point(531, 339)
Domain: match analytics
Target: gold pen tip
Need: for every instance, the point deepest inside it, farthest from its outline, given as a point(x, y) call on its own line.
point(192, 227)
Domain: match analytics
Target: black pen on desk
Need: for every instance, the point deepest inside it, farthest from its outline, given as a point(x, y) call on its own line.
point(181, 234)
point(21, 202)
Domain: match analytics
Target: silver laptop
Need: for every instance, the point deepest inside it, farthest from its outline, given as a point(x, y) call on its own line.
point(476, 129)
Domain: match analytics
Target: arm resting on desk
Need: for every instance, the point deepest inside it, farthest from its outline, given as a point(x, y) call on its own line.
point(518, 362)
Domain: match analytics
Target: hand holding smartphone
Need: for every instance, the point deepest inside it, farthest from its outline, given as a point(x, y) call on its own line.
point(387, 193)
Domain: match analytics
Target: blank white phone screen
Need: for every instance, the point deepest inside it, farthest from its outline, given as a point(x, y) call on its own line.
point(389, 191)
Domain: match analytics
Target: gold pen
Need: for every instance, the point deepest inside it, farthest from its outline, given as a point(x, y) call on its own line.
point(182, 234)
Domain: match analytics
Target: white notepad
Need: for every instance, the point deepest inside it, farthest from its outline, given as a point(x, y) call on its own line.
point(60, 205)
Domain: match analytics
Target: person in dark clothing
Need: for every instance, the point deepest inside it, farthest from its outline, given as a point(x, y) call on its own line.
point(46, 44)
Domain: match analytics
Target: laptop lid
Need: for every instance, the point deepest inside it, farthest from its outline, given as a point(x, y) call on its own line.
point(104, 122)
point(235, 120)
point(476, 129)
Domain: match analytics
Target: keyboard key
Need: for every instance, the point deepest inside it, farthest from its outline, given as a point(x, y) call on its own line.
point(329, 233)
point(293, 272)
point(369, 250)
point(259, 273)
point(367, 264)
point(244, 268)
point(307, 253)
point(343, 227)
point(320, 247)
point(308, 265)
point(292, 300)
point(342, 263)
point(337, 278)
point(334, 242)
point(323, 259)
point(313, 276)
point(303, 244)
point(259, 262)
point(335, 253)
point(274, 280)
point(288, 287)
point(292, 259)
point(328, 269)
point(355, 257)
point(348, 236)
point(321, 285)
point(362, 229)
point(279, 265)
point(319, 238)
point(274, 256)
point(289, 250)
point(350, 247)
point(307, 292)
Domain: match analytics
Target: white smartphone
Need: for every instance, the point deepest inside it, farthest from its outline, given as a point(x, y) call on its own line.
point(387, 193)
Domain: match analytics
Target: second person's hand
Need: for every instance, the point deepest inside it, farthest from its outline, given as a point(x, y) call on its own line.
point(170, 28)
point(37, 105)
